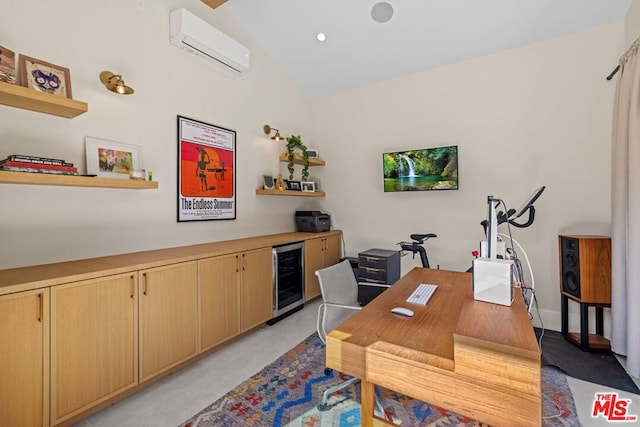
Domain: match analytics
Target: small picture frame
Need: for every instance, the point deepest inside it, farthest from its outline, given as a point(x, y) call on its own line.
point(308, 186)
point(44, 76)
point(7, 65)
point(110, 159)
point(267, 182)
point(292, 185)
point(313, 153)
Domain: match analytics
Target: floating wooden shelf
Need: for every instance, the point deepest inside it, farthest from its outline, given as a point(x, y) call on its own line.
point(29, 99)
point(7, 177)
point(262, 192)
point(297, 159)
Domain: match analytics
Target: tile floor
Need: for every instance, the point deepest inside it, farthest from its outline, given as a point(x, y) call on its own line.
point(176, 398)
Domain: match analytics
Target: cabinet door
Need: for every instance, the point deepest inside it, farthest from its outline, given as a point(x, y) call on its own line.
point(332, 250)
point(219, 282)
point(168, 317)
point(257, 287)
point(24, 359)
point(313, 260)
point(94, 342)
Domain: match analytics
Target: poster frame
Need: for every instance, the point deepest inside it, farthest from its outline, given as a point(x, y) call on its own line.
point(205, 203)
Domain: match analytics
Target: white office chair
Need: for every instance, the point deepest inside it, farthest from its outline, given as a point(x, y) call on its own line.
point(339, 301)
point(339, 296)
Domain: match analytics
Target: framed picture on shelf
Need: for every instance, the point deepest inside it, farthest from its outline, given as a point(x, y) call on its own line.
point(110, 159)
point(44, 76)
point(292, 185)
point(267, 182)
point(313, 153)
point(308, 186)
point(7, 65)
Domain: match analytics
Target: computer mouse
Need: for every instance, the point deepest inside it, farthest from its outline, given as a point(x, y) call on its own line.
point(402, 311)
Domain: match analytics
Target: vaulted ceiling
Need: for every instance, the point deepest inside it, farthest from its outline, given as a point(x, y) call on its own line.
point(419, 35)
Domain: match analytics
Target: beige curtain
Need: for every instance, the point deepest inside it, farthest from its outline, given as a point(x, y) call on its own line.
point(625, 212)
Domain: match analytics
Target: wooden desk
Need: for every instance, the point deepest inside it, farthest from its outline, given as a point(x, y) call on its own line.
point(478, 359)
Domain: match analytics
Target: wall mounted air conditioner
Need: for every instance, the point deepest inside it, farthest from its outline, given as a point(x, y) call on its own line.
point(200, 38)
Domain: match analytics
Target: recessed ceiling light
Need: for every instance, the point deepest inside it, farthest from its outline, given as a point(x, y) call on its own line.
point(382, 12)
point(321, 37)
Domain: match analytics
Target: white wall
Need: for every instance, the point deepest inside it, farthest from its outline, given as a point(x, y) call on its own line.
point(632, 23)
point(531, 116)
point(41, 224)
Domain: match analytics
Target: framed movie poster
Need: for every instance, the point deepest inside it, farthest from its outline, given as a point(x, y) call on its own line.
point(206, 171)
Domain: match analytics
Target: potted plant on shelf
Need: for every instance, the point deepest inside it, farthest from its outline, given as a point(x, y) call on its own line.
point(294, 142)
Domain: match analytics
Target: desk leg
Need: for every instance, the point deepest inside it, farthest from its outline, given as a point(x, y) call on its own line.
point(367, 391)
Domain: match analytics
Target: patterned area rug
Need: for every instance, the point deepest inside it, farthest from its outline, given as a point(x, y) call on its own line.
point(286, 392)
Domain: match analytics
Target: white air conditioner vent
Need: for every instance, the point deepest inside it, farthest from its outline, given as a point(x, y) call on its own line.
point(200, 38)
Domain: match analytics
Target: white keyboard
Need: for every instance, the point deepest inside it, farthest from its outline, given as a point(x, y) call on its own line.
point(422, 294)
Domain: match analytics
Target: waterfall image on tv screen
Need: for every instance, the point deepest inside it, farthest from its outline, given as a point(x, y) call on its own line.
point(418, 170)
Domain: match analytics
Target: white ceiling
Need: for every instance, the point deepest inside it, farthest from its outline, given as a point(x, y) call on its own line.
point(422, 34)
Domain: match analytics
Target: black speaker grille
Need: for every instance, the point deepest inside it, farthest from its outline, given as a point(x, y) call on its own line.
point(571, 266)
point(571, 282)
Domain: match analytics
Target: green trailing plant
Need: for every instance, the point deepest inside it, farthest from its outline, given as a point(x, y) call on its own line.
point(293, 142)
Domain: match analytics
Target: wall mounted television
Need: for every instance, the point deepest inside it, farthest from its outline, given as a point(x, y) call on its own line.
point(419, 170)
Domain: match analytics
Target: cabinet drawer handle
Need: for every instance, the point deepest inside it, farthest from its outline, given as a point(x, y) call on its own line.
point(144, 283)
point(244, 262)
point(133, 288)
point(371, 281)
point(41, 302)
point(237, 263)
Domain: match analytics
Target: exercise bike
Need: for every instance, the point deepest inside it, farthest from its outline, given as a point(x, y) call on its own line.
point(416, 247)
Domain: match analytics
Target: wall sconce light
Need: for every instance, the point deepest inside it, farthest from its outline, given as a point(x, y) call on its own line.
point(267, 129)
point(114, 83)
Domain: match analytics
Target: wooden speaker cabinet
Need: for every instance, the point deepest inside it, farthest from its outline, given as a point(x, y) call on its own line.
point(585, 277)
point(585, 265)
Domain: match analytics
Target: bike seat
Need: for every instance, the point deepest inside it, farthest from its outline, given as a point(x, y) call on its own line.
point(421, 237)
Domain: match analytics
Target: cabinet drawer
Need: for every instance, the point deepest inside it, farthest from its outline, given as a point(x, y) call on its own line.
point(367, 292)
point(373, 275)
point(372, 261)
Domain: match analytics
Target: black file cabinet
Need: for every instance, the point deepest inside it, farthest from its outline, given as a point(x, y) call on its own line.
point(377, 270)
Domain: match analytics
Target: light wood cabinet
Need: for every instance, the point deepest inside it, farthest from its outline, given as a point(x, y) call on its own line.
point(77, 335)
point(256, 303)
point(235, 295)
point(168, 317)
point(319, 253)
point(313, 260)
point(24, 359)
point(94, 342)
point(219, 283)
